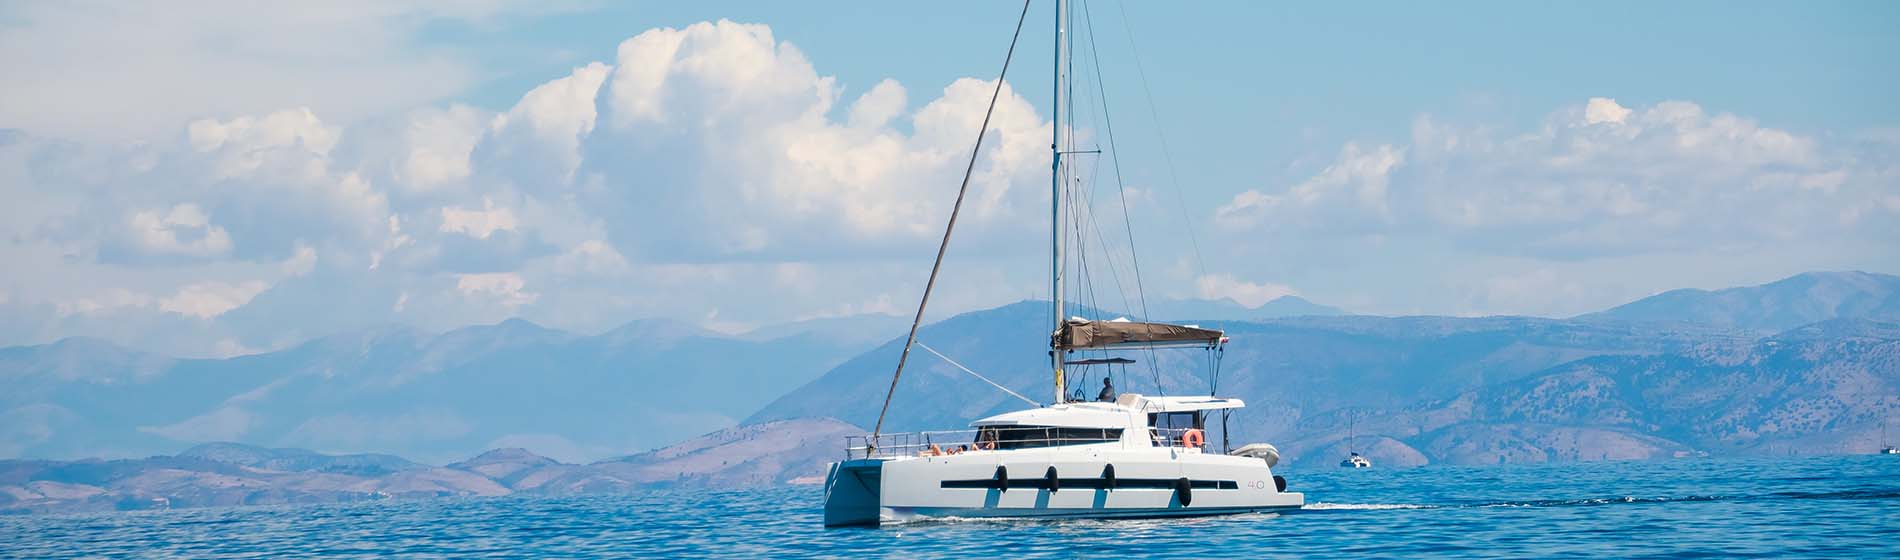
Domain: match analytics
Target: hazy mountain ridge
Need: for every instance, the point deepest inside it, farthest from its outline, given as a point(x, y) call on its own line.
point(1449, 389)
point(1794, 301)
point(230, 474)
point(402, 391)
point(1415, 390)
point(1801, 395)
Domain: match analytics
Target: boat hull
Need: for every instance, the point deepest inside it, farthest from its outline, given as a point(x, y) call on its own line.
point(1108, 482)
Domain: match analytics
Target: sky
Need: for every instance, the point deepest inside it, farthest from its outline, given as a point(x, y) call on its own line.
point(221, 178)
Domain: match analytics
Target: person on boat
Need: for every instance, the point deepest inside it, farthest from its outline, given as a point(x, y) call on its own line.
point(1108, 391)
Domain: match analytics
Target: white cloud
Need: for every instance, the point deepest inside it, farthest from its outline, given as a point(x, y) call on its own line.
point(438, 145)
point(721, 129)
point(1604, 110)
point(1250, 294)
point(205, 300)
point(1355, 183)
point(301, 263)
point(478, 224)
point(504, 288)
point(540, 138)
point(111, 299)
point(183, 230)
point(1596, 179)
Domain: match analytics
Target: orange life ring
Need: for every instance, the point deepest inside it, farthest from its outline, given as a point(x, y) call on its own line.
point(1193, 438)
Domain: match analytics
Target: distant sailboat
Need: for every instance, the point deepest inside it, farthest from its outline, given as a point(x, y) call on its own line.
point(1355, 461)
point(1886, 448)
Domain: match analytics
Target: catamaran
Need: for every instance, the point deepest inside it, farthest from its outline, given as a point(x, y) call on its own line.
point(1121, 455)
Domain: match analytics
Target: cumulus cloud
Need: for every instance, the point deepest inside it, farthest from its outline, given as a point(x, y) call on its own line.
point(182, 230)
point(504, 288)
point(205, 300)
point(721, 128)
point(1599, 179)
point(478, 224)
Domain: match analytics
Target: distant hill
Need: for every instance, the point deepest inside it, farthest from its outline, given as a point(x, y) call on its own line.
point(1284, 365)
point(1783, 304)
point(641, 386)
point(228, 474)
point(1436, 389)
point(862, 330)
point(1822, 389)
point(220, 475)
point(1738, 371)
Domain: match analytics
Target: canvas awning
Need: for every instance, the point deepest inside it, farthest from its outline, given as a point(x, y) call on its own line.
point(1078, 334)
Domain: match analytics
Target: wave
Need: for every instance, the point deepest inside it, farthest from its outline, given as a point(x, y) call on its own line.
point(1585, 502)
point(1324, 506)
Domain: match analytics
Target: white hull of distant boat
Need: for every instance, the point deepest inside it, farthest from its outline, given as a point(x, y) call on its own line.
point(1125, 470)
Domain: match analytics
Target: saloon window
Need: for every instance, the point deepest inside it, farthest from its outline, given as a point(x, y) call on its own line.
point(1175, 421)
point(1025, 437)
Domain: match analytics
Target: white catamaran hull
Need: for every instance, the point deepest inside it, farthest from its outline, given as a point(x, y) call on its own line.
point(1095, 482)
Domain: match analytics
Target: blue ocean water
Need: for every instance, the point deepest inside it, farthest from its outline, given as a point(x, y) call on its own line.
point(1808, 507)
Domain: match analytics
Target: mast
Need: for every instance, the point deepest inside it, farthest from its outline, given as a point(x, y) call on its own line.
point(1055, 200)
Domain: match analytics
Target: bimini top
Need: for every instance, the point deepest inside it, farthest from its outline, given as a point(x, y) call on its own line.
point(1078, 333)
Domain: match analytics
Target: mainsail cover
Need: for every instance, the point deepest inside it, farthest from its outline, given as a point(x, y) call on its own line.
point(1077, 334)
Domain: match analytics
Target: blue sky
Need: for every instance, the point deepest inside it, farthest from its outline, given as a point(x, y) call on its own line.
point(221, 178)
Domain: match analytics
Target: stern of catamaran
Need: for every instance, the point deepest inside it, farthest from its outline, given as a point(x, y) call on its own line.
point(852, 490)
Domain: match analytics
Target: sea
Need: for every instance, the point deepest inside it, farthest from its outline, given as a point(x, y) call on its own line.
point(1820, 507)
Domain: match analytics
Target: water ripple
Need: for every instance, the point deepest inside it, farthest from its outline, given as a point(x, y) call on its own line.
point(1835, 507)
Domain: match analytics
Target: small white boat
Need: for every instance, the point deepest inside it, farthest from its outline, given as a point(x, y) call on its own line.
point(1356, 461)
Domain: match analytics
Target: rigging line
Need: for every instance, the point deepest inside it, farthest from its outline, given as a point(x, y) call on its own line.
point(951, 227)
point(1121, 291)
point(1121, 189)
point(967, 370)
point(1167, 156)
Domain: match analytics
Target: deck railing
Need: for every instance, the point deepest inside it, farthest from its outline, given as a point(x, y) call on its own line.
point(950, 442)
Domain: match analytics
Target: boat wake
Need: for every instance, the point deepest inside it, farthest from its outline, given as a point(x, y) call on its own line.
point(1324, 506)
point(1586, 502)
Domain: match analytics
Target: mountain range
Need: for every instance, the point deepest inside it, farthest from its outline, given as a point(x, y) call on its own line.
point(232, 474)
point(433, 397)
point(1808, 364)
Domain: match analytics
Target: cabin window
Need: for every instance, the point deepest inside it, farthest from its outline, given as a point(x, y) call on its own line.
point(1176, 420)
point(1170, 426)
point(1025, 437)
